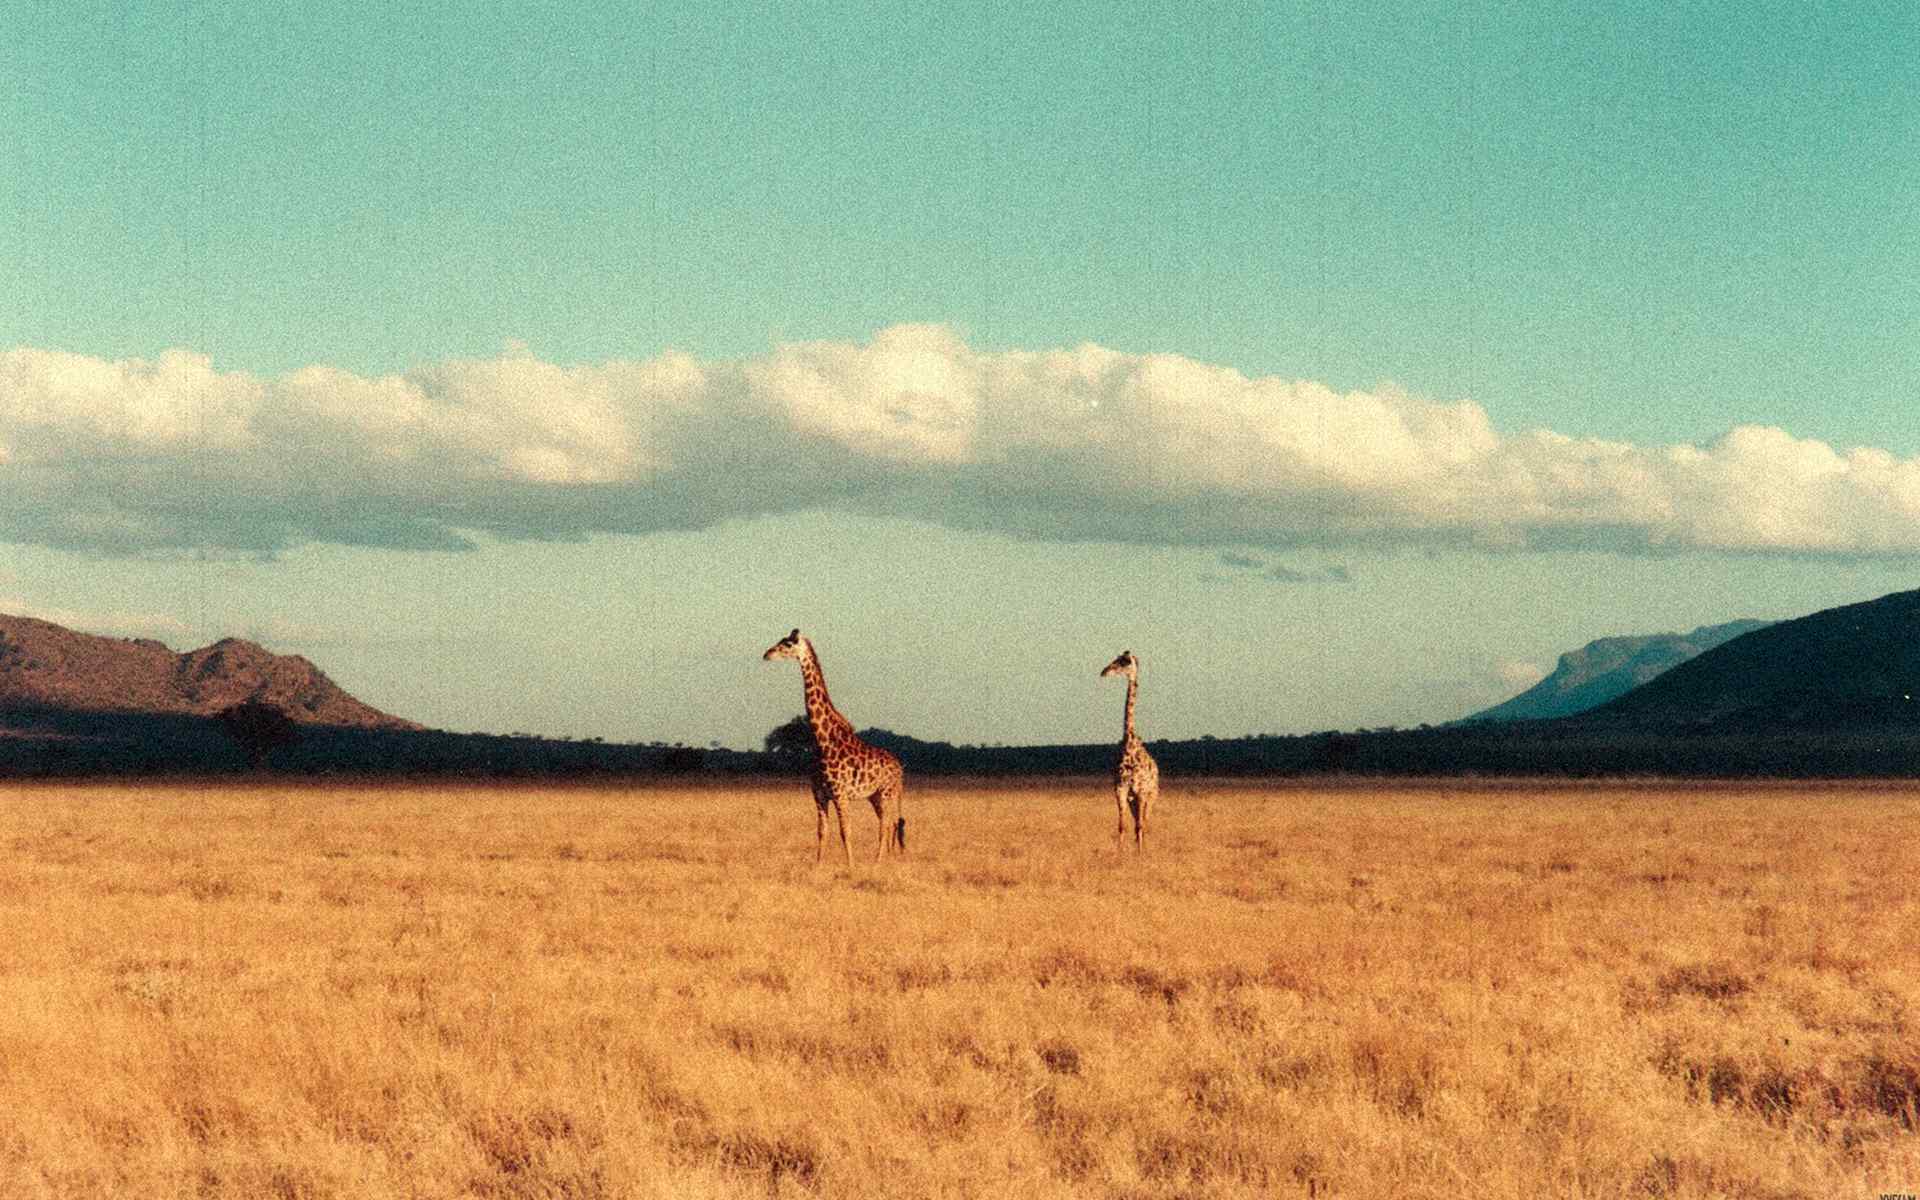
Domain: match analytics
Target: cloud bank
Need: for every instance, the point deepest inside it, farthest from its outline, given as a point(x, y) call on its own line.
point(174, 455)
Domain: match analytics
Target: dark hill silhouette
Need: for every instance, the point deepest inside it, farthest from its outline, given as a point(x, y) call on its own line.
point(1608, 667)
point(1857, 666)
point(79, 704)
point(47, 666)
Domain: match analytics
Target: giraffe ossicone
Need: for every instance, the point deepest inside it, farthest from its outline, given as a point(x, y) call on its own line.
point(846, 768)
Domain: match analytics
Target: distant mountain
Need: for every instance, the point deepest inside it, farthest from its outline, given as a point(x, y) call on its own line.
point(1610, 667)
point(44, 666)
point(1856, 667)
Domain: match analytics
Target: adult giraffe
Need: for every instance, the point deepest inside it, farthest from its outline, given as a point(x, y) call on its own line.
point(1136, 777)
point(846, 769)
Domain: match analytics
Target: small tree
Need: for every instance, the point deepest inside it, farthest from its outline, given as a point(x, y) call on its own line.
point(791, 744)
point(258, 727)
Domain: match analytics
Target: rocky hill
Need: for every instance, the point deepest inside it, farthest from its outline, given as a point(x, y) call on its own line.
point(1856, 666)
point(47, 666)
point(1610, 667)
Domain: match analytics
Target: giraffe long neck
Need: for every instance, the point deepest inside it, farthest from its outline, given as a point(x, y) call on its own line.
point(1133, 692)
point(821, 714)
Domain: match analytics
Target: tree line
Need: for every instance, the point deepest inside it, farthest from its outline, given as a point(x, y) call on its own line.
point(53, 742)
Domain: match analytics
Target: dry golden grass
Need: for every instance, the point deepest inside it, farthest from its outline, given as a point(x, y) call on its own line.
point(1404, 991)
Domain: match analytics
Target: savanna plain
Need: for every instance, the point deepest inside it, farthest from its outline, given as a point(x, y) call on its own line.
point(1501, 990)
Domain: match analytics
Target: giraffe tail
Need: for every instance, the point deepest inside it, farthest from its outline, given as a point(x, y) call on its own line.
point(900, 833)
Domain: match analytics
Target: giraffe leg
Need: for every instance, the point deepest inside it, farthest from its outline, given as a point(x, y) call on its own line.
point(1140, 823)
point(1119, 816)
point(840, 815)
point(886, 806)
point(879, 802)
point(897, 827)
point(819, 831)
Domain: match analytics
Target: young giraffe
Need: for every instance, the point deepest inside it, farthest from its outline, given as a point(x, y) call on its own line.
point(846, 769)
point(1136, 777)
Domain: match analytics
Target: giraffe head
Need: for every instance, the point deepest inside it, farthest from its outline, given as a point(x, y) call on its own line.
point(791, 646)
point(1126, 665)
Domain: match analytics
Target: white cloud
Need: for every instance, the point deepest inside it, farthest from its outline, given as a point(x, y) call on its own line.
point(142, 457)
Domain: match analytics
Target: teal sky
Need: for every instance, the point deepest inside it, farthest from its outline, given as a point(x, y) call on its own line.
point(1626, 223)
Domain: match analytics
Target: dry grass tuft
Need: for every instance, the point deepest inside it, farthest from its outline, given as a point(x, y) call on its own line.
point(567, 992)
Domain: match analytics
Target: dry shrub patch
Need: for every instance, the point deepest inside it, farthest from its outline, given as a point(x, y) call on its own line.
point(1503, 991)
point(1712, 981)
point(1892, 1086)
point(1058, 1056)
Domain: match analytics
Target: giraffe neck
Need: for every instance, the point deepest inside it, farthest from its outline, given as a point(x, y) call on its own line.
point(821, 714)
point(1127, 737)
